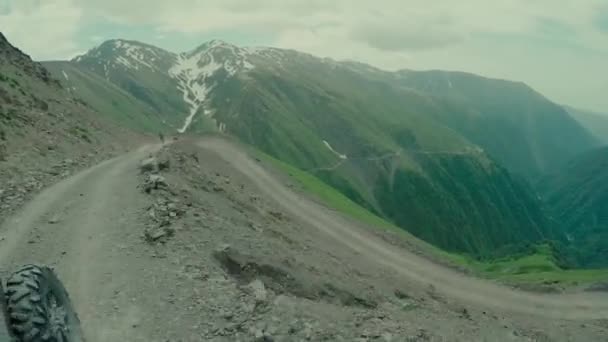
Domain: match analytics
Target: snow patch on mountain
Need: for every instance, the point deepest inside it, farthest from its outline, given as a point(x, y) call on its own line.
point(192, 78)
point(339, 155)
point(197, 73)
point(125, 62)
point(277, 56)
point(65, 75)
point(133, 56)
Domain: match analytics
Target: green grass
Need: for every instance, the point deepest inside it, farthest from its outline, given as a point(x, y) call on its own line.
point(564, 277)
point(108, 99)
point(539, 267)
point(541, 261)
point(531, 269)
point(329, 195)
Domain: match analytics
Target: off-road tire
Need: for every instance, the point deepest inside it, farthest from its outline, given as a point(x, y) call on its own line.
point(39, 307)
point(5, 334)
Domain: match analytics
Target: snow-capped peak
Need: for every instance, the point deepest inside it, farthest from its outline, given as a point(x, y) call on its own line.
point(212, 44)
point(128, 54)
point(199, 71)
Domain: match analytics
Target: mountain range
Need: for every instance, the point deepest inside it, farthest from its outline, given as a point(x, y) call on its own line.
point(450, 157)
point(596, 123)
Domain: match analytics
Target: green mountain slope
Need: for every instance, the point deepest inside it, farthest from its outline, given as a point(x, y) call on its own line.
point(386, 146)
point(378, 145)
point(595, 123)
point(511, 121)
point(578, 197)
point(140, 70)
point(106, 98)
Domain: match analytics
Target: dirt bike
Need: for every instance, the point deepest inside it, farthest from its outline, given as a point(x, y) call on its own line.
point(35, 307)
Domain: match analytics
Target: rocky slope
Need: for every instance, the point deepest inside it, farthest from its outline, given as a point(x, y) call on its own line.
point(251, 271)
point(45, 133)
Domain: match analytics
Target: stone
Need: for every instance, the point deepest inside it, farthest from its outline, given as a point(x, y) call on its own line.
point(54, 220)
point(153, 235)
point(156, 234)
point(149, 165)
point(259, 292)
point(157, 180)
point(387, 337)
point(163, 164)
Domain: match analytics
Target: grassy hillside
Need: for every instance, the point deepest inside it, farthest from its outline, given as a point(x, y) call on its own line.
point(537, 266)
point(541, 267)
point(106, 98)
point(465, 204)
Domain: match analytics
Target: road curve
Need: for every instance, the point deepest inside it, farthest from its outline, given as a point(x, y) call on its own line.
point(95, 213)
point(581, 306)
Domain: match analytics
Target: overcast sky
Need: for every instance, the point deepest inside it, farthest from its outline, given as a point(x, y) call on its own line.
point(559, 47)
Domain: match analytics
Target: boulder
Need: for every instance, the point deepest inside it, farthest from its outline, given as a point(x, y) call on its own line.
point(258, 289)
point(149, 165)
point(154, 182)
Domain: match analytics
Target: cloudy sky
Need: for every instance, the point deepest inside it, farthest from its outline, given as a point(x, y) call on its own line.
point(558, 47)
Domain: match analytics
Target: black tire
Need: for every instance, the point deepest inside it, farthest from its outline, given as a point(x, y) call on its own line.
point(5, 334)
point(39, 307)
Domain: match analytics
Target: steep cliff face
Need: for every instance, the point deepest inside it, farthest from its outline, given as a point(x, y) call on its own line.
point(466, 204)
point(578, 197)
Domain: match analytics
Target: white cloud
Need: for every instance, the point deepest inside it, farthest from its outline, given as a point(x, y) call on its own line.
point(96, 38)
point(44, 29)
point(406, 36)
point(384, 24)
point(391, 34)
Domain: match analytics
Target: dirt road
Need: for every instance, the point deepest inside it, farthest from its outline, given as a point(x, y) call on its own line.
point(479, 292)
point(77, 226)
point(89, 228)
